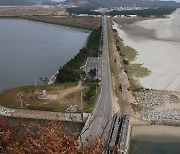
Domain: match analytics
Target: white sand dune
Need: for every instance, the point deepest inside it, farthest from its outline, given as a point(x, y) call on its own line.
point(158, 45)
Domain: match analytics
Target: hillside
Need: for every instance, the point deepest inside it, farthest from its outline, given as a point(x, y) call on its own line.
point(26, 2)
point(93, 3)
point(121, 3)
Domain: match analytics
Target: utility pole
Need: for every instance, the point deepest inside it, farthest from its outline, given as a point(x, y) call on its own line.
point(81, 106)
point(96, 88)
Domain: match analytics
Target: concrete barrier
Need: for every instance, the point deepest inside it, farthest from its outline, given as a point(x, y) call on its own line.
point(44, 115)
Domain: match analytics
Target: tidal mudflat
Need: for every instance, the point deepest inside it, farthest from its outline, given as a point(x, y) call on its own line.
point(158, 45)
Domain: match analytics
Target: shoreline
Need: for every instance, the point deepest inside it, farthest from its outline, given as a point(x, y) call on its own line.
point(64, 26)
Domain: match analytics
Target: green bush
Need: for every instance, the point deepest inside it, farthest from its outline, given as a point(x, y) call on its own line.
point(71, 71)
point(122, 55)
point(91, 92)
point(118, 48)
point(125, 62)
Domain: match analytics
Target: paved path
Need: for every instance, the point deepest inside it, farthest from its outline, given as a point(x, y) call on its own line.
point(103, 111)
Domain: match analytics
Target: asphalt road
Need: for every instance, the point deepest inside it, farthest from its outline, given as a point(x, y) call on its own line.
point(98, 123)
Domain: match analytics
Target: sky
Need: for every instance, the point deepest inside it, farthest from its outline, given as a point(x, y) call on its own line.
point(58, 0)
point(173, 0)
point(163, 0)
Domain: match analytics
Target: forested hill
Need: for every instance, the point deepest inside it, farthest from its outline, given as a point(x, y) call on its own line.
point(26, 2)
point(159, 12)
point(123, 3)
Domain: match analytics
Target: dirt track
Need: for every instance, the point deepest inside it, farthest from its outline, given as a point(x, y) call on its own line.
point(125, 97)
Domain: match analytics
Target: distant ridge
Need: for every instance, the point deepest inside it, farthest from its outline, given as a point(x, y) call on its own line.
point(94, 3)
point(27, 2)
point(122, 3)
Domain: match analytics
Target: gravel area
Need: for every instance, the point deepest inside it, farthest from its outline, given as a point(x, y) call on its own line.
point(163, 115)
point(153, 99)
point(159, 105)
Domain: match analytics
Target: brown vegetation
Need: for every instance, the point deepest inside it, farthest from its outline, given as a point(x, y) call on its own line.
point(52, 138)
point(52, 15)
point(70, 21)
point(21, 10)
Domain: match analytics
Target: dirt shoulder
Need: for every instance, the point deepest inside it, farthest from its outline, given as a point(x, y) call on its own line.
point(125, 97)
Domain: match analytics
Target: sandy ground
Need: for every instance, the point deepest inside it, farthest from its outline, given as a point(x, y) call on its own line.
point(61, 94)
point(158, 45)
point(156, 133)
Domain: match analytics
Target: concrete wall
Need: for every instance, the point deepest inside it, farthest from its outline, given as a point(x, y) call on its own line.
point(44, 115)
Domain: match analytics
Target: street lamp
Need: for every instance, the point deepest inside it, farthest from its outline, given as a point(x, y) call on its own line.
point(81, 106)
point(96, 88)
point(81, 76)
point(35, 81)
point(21, 100)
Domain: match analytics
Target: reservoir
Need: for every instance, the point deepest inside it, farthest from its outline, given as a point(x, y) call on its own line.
point(32, 49)
point(155, 139)
point(147, 147)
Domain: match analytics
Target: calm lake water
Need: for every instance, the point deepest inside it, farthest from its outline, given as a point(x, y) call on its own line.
point(32, 49)
point(146, 147)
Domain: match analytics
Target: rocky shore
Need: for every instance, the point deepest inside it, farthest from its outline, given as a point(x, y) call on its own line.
point(160, 107)
point(157, 100)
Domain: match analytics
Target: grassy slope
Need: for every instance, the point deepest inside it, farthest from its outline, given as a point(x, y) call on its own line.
point(11, 97)
point(128, 54)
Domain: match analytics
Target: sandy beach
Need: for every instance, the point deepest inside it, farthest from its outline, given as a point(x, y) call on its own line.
point(158, 45)
point(156, 133)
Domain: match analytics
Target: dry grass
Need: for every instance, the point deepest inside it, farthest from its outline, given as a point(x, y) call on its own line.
point(30, 10)
point(70, 21)
point(51, 15)
point(137, 70)
point(125, 51)
point(61, 97)
point(123, 105)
